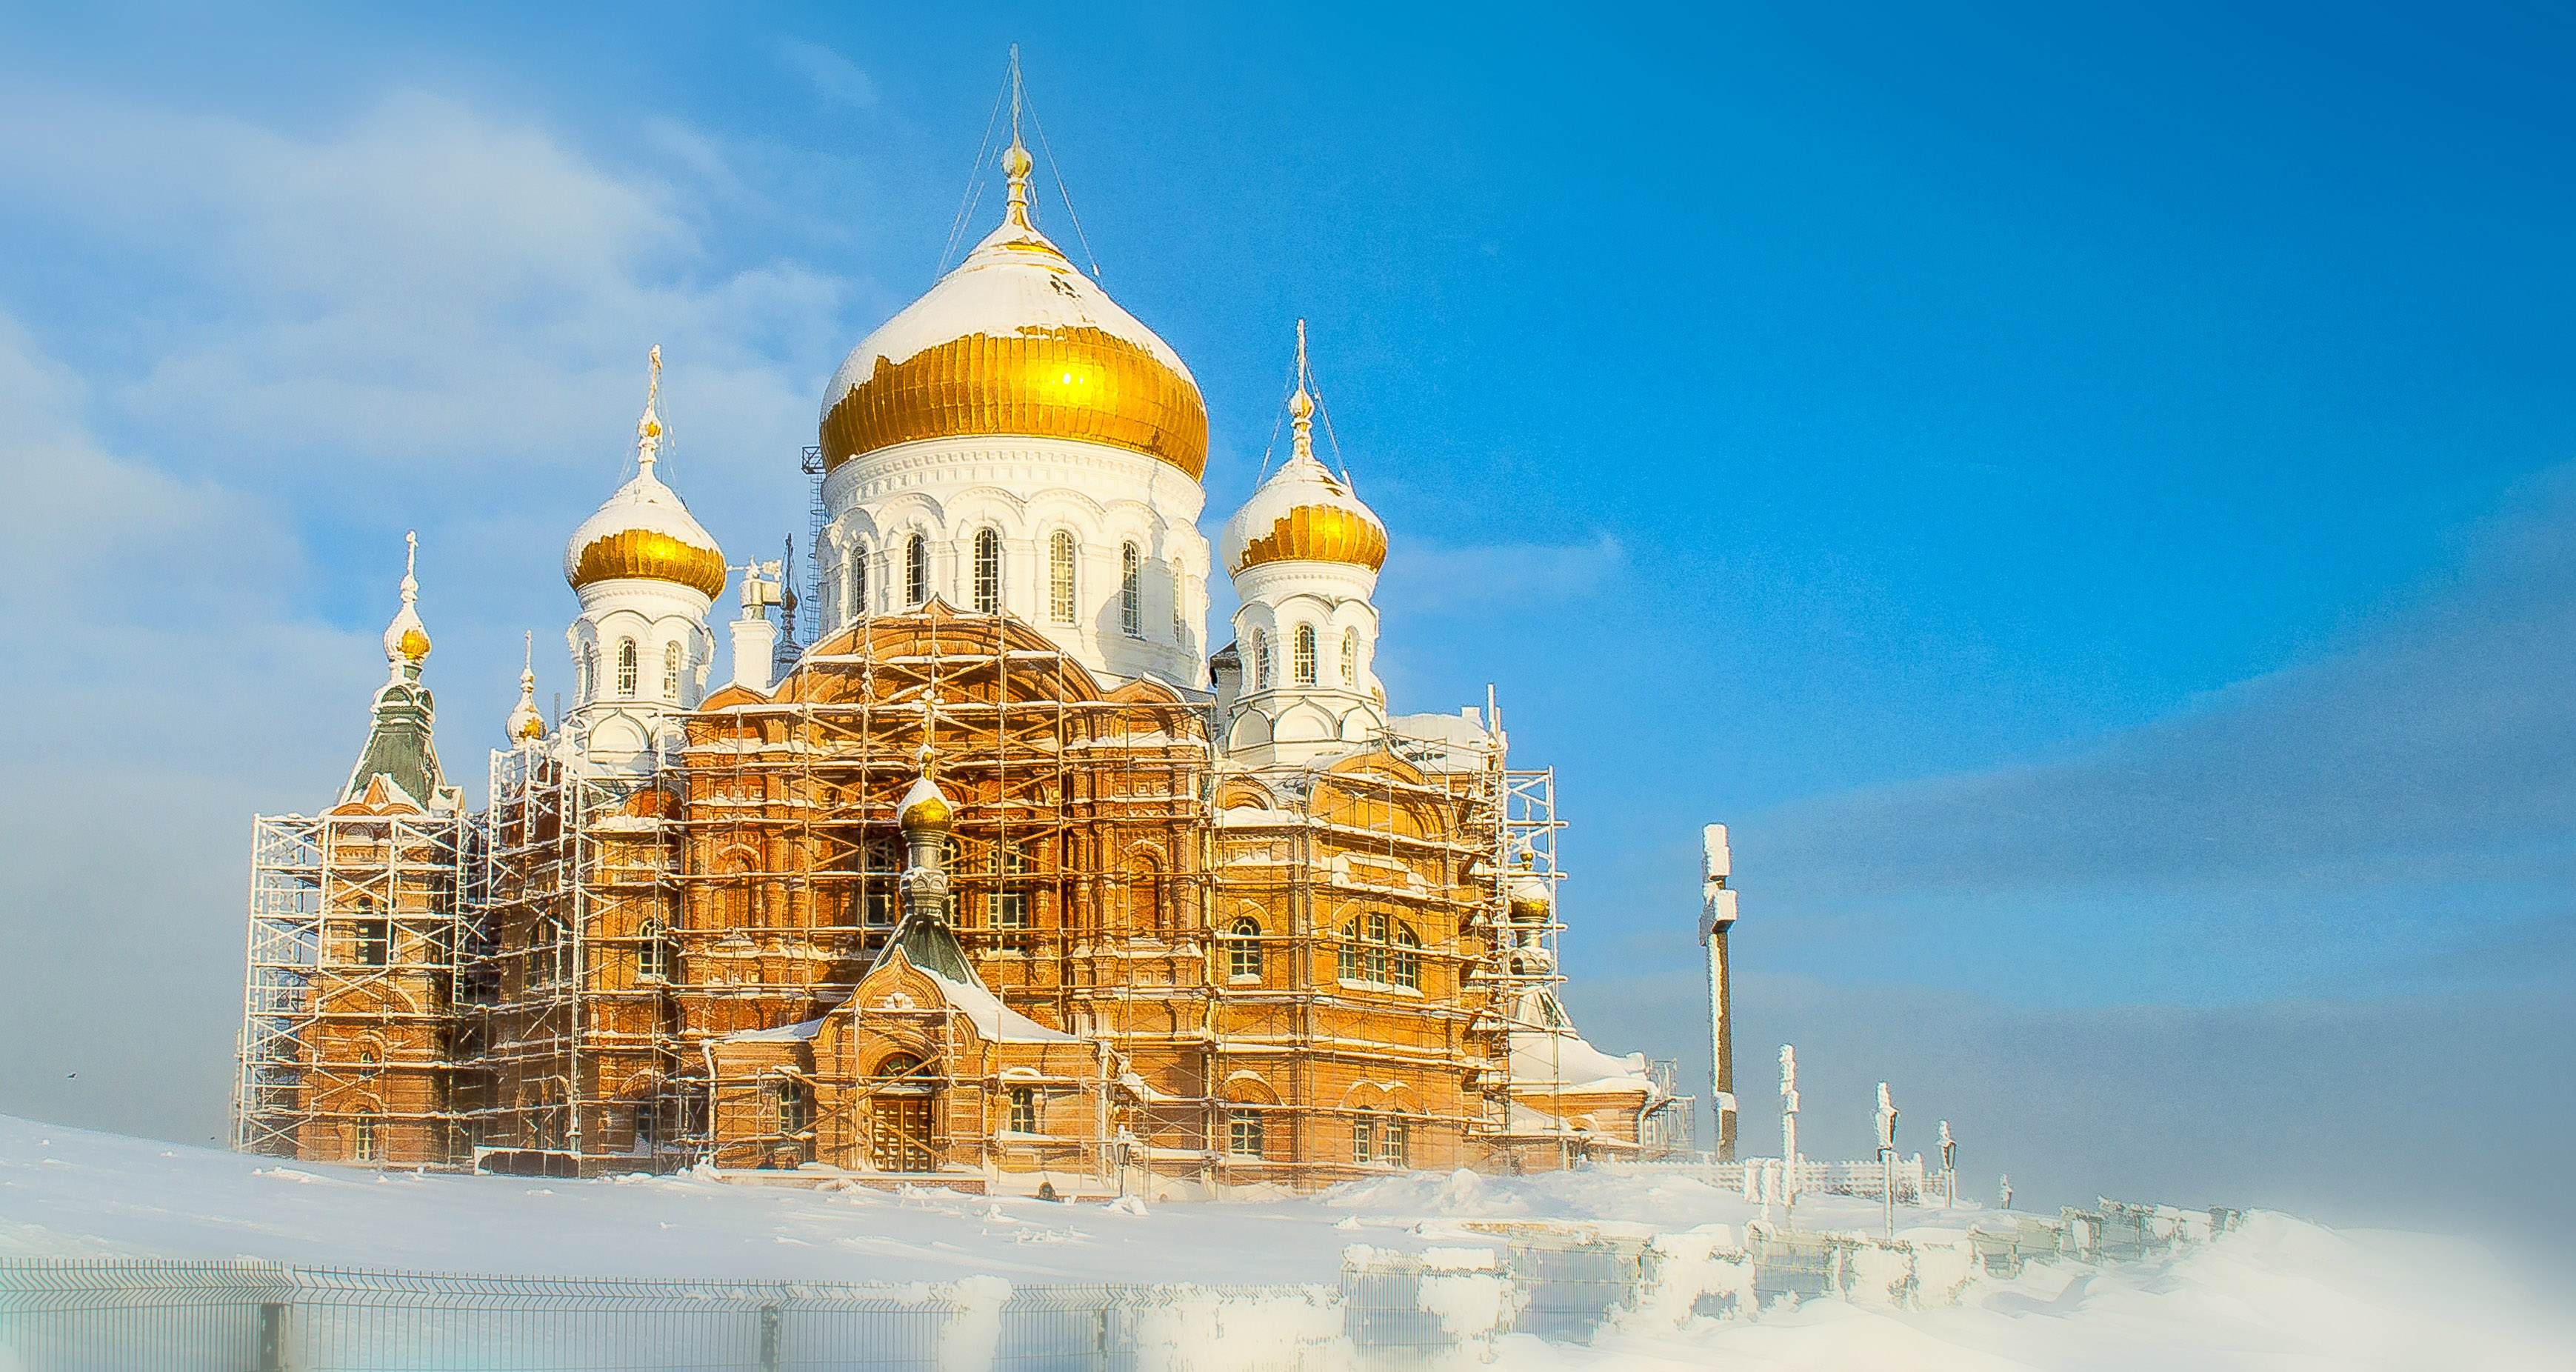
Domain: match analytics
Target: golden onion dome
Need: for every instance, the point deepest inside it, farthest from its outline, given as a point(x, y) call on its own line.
point(645, 531)
point(1530, 899)
point(525, 724)
point(925, 806)
point(1016, 341)
point(1303, 513)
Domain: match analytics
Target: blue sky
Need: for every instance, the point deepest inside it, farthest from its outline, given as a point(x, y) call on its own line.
point(2087, 494)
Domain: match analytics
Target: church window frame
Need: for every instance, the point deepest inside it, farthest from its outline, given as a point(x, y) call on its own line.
point(1260, 660)
point(366, 1136)
point(854, 580)
point(1243, 1135)
point(1301, 659)
point(1364, 1139)
point(1023, 1116)
point(1395, 1142)
point(1243, 950)
point(916, 570)
point(1377, 949)
point(589, 672)
point(671, 662)
point(1063, 556)
point(988, 571)
point(1351, 658)
point(1131, 590)
point(653, 950)
point(1180, 608)
point(627, 667)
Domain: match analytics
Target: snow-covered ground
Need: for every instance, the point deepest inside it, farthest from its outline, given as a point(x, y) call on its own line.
point(2278, 1293)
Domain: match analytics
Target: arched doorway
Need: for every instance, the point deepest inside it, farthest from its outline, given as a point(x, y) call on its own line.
point(899, 1115)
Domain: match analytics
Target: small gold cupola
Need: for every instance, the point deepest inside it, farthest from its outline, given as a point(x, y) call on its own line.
point(645, 531)
point(1304, 512)
point(526, 725)
point(406, 638)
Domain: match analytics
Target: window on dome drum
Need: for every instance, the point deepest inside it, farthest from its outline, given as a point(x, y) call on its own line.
point(1243, 1134)
point(1395, 1143)
point(916, 569)
point(1024, 1110)
point(1180, 609)
point(1350, 657)
point(1302, 660)
point(626, 669)
point(671, 671)
point(988, 571)
point(1131, 591)
point(590, 672)
point(855, 580)
point(1060, 577)
point(1243, 950)
point(1363, 1140)
point(1260, 662)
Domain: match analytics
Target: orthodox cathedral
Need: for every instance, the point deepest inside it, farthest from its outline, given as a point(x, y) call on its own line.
point(1004, 880)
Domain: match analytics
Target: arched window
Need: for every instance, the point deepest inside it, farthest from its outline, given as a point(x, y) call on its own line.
point(671, 671)
point(988, 571)
point(1260, 662)
point(589, 671)
point(1303, 660)
point(366, 1139)
point(626, 669)
point(1131, 591)
point(1243, 950)
point(1060, 577)
point(916, 569)
point(1376, 950)
point(1180, 608)
point(855, 579)
point(1364, 1138)
point(1351, 657)
point(653, 951)
point(1404, 967)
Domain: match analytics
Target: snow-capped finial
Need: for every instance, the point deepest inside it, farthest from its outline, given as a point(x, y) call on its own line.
point(1016, 162)
point(406, 639)
point(648, 429)
point(525, 724)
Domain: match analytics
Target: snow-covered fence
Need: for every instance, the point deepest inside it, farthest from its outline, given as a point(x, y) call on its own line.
point(1392, 1309)
point(1868, 1180)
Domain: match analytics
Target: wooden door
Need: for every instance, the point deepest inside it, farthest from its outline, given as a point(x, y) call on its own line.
point(899, 1133)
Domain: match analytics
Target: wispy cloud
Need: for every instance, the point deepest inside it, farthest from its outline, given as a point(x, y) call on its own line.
point(2379, 812)
point(835, 78)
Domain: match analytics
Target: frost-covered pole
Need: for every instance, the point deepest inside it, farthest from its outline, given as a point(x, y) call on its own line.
point(1717, 915)
point(1789, 1131)
point(1950, 1164)
point(1887, 1147)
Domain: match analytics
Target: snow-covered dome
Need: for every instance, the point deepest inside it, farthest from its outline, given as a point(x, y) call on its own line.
point(645, 530)
point(1303, 513)
point(1015, 341)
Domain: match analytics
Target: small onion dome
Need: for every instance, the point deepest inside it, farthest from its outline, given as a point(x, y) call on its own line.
point(1530, 900)
point(645, 531)
point(925, 806)
point(1303, 513)
point(406, 638)
point(1016, 341)
point(526, 725)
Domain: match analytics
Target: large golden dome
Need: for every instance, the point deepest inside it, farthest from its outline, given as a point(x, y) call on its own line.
point(1015, 341)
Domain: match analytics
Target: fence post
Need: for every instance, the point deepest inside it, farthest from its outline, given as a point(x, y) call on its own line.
point(769, 1338)
point(272, 1337)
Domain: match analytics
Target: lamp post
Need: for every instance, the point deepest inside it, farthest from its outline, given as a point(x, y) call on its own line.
point(1717, 916)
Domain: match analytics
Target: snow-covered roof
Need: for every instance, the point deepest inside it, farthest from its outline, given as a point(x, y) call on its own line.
point(642, 505)
point(785, 1033)
point(994, 1020)
point(1568, 1062)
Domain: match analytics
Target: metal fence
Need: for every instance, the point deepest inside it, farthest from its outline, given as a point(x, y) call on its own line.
point(1390, 1309)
